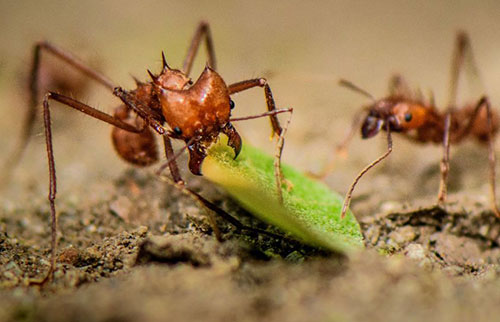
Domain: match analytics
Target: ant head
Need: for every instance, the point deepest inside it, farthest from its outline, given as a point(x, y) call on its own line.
point(399, 115)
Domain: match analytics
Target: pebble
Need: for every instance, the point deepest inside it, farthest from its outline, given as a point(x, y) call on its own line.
point(403, 235)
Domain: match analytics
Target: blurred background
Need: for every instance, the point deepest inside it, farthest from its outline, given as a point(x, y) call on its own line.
point(301, 47)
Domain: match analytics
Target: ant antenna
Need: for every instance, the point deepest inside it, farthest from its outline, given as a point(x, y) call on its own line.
point(357, 89)
point(348, 196)
point(273, 112)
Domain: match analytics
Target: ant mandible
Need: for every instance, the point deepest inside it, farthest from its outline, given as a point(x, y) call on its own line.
point(195, 112)
point(420, 121)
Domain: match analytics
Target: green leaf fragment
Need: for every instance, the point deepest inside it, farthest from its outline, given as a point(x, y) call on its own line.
point(310, 210)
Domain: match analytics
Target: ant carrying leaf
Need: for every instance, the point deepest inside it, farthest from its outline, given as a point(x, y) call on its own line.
point(194, 112)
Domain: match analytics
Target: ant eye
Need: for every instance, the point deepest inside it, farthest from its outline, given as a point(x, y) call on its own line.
point(231, 104)
point(408, 117)
point(177, 130)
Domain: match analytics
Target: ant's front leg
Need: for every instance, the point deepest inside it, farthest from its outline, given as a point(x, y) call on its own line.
point(271, 105)
point(277, 130)
point(178, 183)
point(67, 101)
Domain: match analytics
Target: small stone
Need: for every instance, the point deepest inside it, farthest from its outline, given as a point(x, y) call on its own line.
point(9, 275)
point(141, 231)
point(122, 208)
point(415, 251)
point(390, 206)
point(69, 255)
point(457, 250)
point(453, 270)
point(403, 235)
point(419, 254)
point(483, 231)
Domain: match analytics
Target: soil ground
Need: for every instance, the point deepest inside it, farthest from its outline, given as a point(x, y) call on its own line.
point(133, 248)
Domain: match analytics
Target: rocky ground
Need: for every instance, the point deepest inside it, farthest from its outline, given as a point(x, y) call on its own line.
point(132, 248)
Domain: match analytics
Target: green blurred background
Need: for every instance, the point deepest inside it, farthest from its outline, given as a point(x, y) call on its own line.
point(301, 46)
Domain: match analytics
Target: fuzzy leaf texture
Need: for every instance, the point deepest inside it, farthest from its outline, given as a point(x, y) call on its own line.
point(310, 210)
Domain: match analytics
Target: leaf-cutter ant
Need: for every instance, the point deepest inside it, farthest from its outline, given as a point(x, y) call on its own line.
point(195, 112)
point(418, 120)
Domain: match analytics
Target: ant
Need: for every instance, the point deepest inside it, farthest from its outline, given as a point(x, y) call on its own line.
point(408, 113)
point(195, 112)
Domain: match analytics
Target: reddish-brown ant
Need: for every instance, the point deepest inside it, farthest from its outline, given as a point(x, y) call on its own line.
point(195, 112)
point(419, 120)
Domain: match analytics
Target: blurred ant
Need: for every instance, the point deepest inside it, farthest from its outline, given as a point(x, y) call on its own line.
point(420, 121)
point(195, 112)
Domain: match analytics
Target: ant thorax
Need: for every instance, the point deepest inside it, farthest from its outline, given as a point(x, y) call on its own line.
point(194, 110)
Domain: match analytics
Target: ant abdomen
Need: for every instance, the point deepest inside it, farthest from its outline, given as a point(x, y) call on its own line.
point(140, 149)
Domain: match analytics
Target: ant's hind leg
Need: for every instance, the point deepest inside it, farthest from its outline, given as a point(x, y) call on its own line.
point(491, 157)
point(469, 127)
point(29, 121)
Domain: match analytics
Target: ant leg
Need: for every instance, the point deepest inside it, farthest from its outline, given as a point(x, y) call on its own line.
point(484, 102)
point(271, 106)
point(51, 162)
point(233, 135)
point(275, 125)
point(223, 214)
point(445, 162)
point(172, 163)
point(29, 121)
point(278, 175)
point(399, 87)
point(179, 183)
point(202, 30)
point(463, 50)
point(342, 147)
point(348, 196)
point(492, 161)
